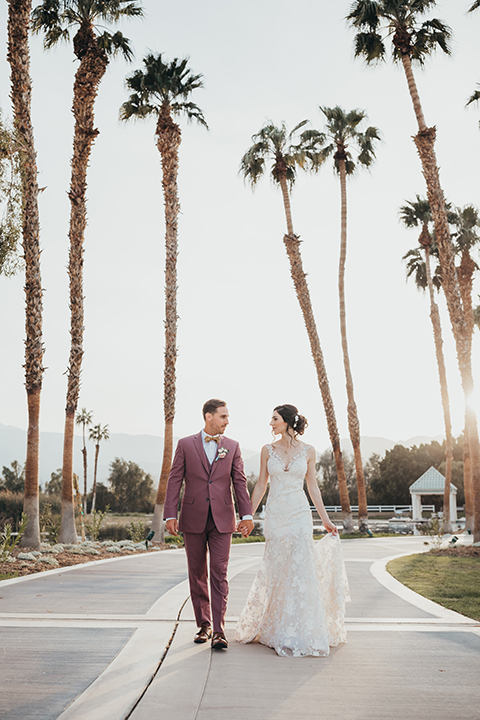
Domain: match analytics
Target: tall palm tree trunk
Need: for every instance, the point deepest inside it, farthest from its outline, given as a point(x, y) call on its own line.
point(468, 482)
point(424, 141)
point(93, 64)
point(465, 278)
point(94, 486)
point(84, 453)
point(442, 375)
point(169, 139)
point(292, 245)
point(353, 422)
point(21, 91)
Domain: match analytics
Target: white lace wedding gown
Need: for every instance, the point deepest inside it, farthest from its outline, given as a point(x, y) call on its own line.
point(296, 604)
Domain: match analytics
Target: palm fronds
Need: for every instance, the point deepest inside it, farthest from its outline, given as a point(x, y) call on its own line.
point(160, 85)
point(400, 21)
point(56, 18)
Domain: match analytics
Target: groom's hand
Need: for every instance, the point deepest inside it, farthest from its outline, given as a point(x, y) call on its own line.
point(245, 527)
point(171, 526)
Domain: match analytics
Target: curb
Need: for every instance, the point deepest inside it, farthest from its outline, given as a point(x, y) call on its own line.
point(379, 571)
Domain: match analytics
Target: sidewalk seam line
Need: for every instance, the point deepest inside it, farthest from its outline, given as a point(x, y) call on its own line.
point(157, 669)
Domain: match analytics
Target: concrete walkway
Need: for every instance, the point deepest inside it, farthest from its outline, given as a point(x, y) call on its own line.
point(112, 640)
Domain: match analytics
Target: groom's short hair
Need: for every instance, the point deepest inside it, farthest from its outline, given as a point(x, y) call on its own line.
point(212, 405)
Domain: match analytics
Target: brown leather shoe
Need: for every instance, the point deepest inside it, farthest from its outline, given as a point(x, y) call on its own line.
point(204, 634)
point(219, 641)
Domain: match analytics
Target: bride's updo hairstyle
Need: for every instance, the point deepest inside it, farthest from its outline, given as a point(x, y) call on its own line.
point(296, 423)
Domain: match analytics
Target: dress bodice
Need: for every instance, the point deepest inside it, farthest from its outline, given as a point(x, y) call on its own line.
point(291, 475)
point(285, 480)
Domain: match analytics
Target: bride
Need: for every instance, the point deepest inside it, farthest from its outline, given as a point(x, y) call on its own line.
point(296, 604)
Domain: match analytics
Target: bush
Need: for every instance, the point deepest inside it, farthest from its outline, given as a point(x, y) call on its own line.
point(11, 508)
point(136, 531)
point(96, 520)
point(9, 542)
point(50, 523)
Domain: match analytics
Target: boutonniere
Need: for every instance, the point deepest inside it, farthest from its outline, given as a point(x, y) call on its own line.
point(222, 452)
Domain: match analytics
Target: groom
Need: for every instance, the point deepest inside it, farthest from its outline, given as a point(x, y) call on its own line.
point(209, 464)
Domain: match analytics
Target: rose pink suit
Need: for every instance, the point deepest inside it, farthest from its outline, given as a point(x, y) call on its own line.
point(207, 519)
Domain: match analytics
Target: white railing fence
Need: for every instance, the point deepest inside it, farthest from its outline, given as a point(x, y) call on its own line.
point(380, 508)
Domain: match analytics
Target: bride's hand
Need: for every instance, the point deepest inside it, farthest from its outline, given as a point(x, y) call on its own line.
point(330, 527)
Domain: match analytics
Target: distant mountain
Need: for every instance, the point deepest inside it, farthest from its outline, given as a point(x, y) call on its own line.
point(145, 450)
point(379, 445)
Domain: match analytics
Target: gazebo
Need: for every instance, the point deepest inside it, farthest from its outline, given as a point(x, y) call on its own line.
point(431, 482)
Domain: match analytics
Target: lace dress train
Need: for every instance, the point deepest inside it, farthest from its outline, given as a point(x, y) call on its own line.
point(296, 604)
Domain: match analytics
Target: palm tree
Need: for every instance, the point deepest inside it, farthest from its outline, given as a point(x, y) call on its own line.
point(21, 91)
point(92, 48)
point(84, 418)
point(464, 222)
point(414, 214)
point(97, 434)
point(413, 41)
point(274, 144)
point(162, 89)
point(341, 130)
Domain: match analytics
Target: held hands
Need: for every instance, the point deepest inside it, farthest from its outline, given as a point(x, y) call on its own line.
point(171, 526)
point(245, 527)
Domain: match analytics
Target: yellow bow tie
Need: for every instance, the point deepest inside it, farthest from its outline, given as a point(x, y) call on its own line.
point(214, 439)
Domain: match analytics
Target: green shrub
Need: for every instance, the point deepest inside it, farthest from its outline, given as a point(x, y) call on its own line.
point(11, 508)
point(136, 531)
point(54, 501)
point(8, 541)
point(50, 523)
point(93, 527)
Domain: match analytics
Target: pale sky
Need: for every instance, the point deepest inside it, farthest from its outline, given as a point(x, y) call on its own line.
point(241, 334)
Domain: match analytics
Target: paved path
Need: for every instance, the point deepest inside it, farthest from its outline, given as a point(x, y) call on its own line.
point(112, 640)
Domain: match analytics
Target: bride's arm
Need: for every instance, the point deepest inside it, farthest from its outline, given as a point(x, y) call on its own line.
point(315, 494)
point(261, 486)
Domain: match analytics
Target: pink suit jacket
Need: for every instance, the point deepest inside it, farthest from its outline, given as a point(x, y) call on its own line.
point(207, 486)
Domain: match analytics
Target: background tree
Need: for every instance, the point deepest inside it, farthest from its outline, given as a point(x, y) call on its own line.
point(390, 478)
point(162, 89)
point(97, 434)
point(84, 418)
point(132, 487)
point(13, 478)
point(104, 499)
point(92, 48)
point(413, 41)
point(343, 137)
point(21, 92)
point(54, 485)
point(328, 481)
point(414, 214)
point(10, 199)
point(274, 144)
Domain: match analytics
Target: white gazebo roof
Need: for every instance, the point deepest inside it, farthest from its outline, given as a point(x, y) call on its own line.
point(431, 482)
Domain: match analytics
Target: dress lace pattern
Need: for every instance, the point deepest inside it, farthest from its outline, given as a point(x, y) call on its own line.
point(296, 604)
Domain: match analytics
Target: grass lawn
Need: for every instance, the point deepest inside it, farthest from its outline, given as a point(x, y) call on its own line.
point(453, 582)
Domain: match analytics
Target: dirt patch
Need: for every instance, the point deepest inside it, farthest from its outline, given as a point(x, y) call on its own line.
point(473, 552)
point(65, 559)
